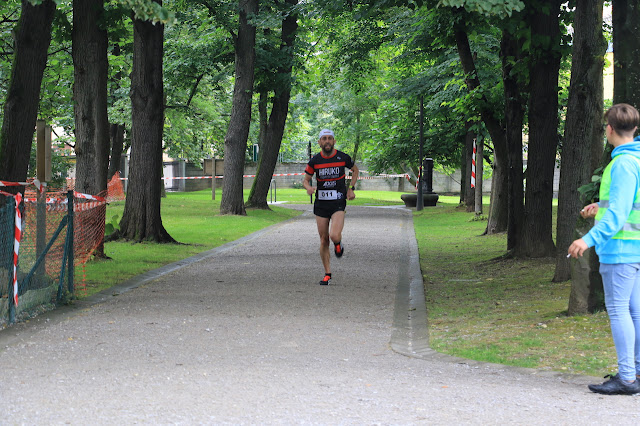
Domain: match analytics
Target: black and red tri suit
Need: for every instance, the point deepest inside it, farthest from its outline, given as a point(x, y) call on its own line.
point(331, 195)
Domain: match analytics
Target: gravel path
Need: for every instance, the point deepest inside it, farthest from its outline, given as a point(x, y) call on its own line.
point(243, 334)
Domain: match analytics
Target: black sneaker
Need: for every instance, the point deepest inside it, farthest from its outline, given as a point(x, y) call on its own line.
point(326, 280)
point(339, 249)
point(616, 386)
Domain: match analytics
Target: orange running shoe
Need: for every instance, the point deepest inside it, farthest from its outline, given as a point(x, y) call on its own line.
point(326, 280)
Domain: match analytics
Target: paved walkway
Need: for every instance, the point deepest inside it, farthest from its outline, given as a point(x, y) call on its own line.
point(244, 335)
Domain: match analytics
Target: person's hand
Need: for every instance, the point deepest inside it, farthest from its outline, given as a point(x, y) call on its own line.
point(577, 248)
point(311, 190)
point(589, 211)
point(351, 194)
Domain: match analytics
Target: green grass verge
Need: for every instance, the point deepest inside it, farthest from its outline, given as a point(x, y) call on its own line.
point(504, 311)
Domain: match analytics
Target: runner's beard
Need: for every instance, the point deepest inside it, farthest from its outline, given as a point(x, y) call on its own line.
point(327, 148)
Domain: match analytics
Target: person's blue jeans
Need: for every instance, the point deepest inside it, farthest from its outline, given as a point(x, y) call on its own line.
point(622, 299)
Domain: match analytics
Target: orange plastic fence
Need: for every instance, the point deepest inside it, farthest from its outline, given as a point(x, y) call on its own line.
point(89, 222)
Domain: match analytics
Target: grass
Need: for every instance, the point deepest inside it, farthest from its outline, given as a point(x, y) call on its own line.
point(502, 311)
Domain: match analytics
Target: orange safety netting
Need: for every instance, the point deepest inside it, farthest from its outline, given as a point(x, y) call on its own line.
point(41, 222)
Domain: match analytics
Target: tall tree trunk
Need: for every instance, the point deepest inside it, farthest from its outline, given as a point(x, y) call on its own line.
point(32, 39)
point(263, 106)
point(277, 119)
point(90, 69)
point(537, 240)
point(510, 53)
point(235, 142)
point(141, 220)
point(586, 286)
point(116, 135)
point(582, 125)
point(499, 207)
point(626, 50)
point(498, 210)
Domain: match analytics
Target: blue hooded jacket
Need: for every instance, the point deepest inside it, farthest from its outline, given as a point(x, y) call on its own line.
point(625, 181)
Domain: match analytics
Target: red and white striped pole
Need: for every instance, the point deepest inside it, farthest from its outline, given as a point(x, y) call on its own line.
point(16, 246)
point(473, 165)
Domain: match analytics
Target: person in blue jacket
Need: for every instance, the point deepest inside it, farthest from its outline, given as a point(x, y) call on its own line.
point(616, 237)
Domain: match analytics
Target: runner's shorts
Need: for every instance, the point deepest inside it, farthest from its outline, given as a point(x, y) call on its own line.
point(328, 208)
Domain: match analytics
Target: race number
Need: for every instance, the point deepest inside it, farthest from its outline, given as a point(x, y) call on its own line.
point(324, 194)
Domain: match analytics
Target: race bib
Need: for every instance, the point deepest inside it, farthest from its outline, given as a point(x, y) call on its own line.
point(324, 194)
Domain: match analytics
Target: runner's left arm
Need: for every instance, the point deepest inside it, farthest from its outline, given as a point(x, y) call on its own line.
point(354, 175)
point(354, 178)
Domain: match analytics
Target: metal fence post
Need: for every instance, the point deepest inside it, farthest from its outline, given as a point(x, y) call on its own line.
point(70, 235)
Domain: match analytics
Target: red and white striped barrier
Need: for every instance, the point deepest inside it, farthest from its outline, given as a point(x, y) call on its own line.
point(380, 176)
point(52, 204)
point(16, 246)
point(473, 166)
point(88, 197)
point(60, 205)
point(17, 236)
point(5, 183)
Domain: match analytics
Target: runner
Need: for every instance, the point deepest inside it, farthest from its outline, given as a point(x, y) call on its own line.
point(331, 196)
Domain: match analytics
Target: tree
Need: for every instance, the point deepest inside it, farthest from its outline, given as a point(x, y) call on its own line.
point(116, 129)
point(536, 238)
point(274, 131)
point(198, 65)
point(236, 139)
point(514, 105)
point(89, 51)
point(90, 96)
point(141, 220)
point(582, 125)
point(498, 211)
point(32, 39)
point(626, 50)
point(586, 291)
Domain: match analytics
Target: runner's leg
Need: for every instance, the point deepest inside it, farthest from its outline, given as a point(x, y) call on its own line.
point(323, 231)
point(337, 223)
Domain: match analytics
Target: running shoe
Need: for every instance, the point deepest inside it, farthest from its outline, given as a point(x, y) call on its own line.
point(326, 280)
point(339, 249)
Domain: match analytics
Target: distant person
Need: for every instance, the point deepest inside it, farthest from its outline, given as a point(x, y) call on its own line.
point(616, 237)
point(332, 194)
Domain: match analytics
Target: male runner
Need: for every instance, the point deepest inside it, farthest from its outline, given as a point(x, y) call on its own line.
point(331, 195)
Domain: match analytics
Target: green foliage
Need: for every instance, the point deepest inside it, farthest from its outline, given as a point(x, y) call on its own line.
point(198, 65)
point(590, 192)
point(501, 8)
point(111, 226)
point(149, 10)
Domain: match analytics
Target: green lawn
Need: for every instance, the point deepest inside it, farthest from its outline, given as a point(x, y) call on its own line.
point(486, 308)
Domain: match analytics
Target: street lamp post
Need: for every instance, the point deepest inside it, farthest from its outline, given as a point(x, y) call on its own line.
point(420, 199)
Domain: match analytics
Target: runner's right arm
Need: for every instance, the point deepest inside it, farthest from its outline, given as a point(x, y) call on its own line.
point(307, 184)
